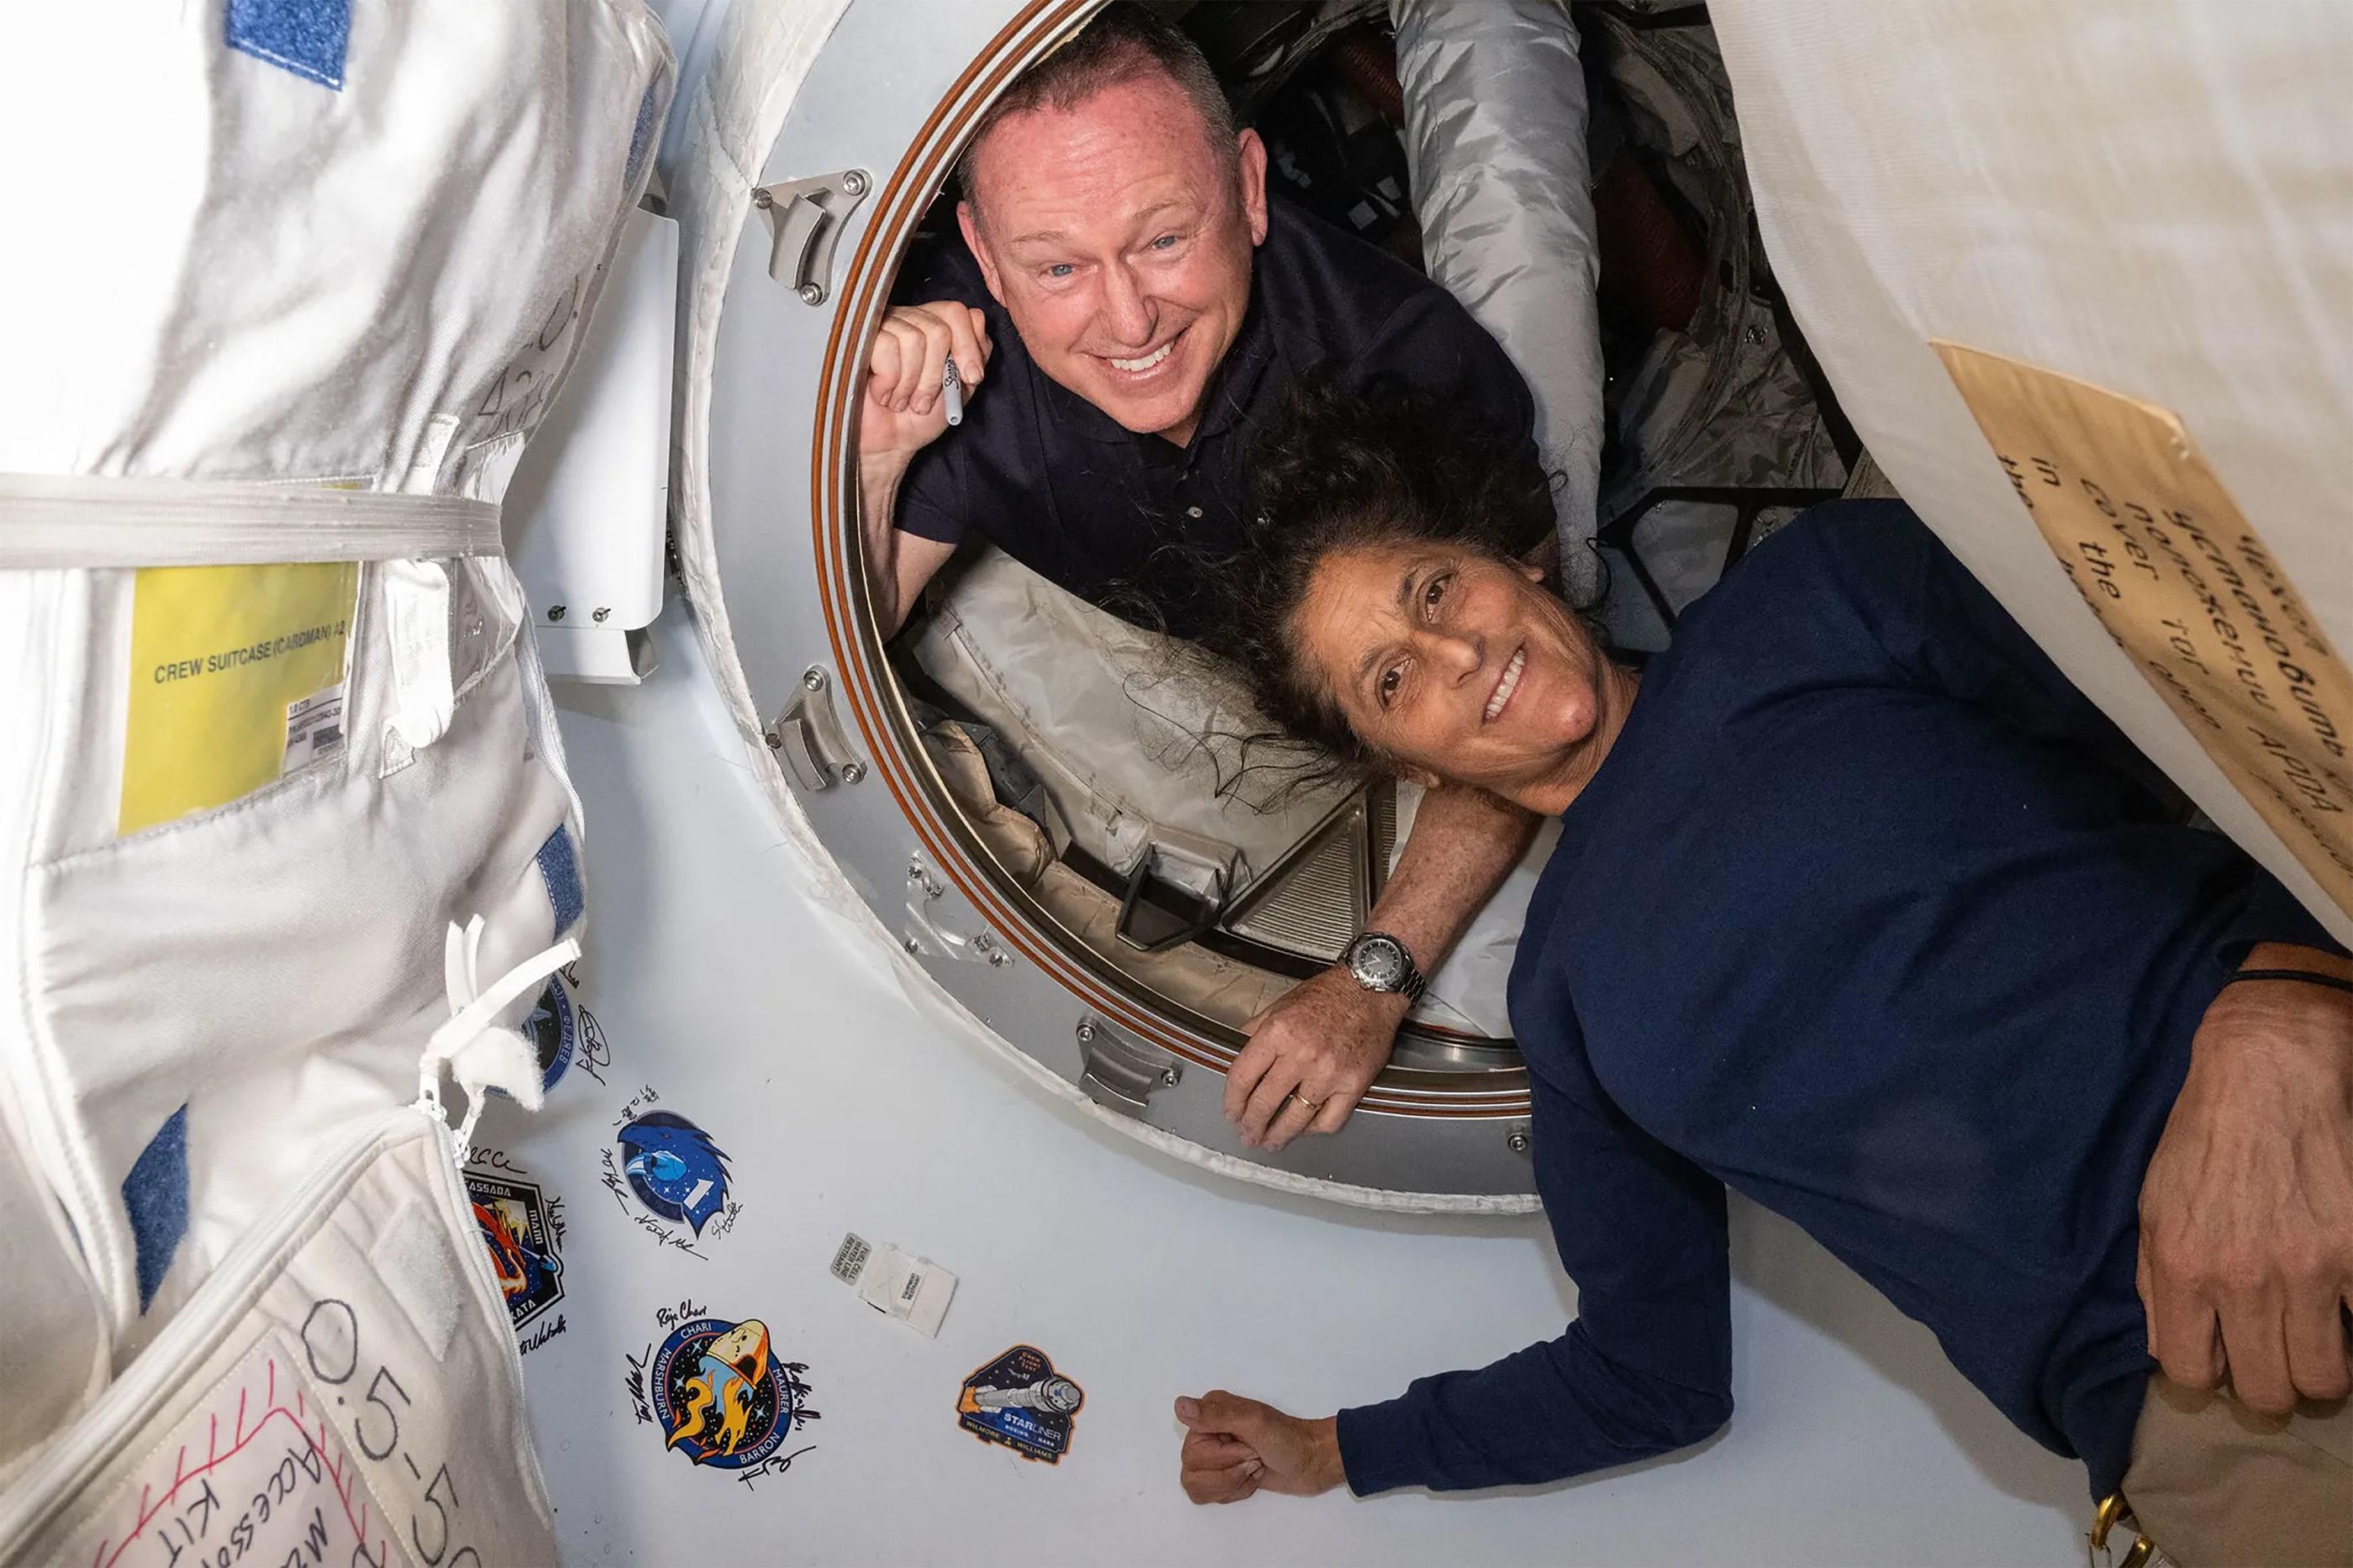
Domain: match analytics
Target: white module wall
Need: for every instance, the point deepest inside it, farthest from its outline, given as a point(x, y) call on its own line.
point(714, 977)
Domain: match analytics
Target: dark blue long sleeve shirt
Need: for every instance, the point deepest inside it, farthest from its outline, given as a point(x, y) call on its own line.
point(1871, 915)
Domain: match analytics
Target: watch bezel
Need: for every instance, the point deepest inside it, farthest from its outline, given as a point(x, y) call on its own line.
point(1398, 973)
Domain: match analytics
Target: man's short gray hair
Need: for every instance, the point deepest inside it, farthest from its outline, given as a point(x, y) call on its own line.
point(1124, 42)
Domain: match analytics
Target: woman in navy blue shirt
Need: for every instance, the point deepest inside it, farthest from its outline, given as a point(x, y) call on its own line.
point(1859, 908)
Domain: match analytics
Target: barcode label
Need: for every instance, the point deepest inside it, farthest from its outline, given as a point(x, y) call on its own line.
point(314, 730)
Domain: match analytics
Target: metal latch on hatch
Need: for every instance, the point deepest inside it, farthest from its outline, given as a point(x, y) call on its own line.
point(806, 218)
point(1119, 1071)
point(809, 739)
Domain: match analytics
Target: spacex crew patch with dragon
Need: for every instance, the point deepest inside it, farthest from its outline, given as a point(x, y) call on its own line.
point(1020, 1401)
point(719, 1395)
point(521, 1227)
point(669, 1175)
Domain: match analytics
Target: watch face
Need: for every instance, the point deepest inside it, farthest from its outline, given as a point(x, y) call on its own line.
point(1379, 963)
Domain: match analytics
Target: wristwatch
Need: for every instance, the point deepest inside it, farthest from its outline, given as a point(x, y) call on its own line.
point(1380, 962)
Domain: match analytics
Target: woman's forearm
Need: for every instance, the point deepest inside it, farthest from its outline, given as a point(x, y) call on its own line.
point(1464, 843)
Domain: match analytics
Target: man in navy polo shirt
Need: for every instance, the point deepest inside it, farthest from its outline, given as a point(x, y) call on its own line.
point(1137, 308)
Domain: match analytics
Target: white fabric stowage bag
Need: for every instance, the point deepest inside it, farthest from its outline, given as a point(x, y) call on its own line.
point(347, 1391)
point(279, 268)
point(2092, 259)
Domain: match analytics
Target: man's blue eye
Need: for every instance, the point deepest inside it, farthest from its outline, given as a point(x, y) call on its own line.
point(1164, 242)
point(1059, 269)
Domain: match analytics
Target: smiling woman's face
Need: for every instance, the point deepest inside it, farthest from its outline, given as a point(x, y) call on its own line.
point(1458, 666)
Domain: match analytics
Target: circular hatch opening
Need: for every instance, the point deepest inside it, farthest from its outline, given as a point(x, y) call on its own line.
point(1034, 814)
point(1080, 772)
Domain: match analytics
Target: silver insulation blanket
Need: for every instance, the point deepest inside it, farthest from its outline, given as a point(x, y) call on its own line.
point(1494, 137)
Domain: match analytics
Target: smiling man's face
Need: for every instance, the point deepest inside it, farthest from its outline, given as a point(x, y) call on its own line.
point(1118, 235)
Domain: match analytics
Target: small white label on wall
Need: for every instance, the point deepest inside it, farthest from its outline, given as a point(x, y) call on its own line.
point(897, 1284)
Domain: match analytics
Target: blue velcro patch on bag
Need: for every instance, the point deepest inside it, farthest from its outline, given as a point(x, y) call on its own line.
point(305, 36)
point(559, 868)
point(155, 1194)
point(641, 134)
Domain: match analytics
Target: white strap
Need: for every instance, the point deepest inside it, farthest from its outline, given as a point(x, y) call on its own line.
point(92, 521)
point(479, 1051)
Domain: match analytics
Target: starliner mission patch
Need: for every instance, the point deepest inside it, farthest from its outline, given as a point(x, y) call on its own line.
point(1020, 1401)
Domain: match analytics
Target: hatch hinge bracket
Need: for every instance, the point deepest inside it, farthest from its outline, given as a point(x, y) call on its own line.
point(1121, 1072)
point(926, 935)
point(806, 220)
point(808, 739)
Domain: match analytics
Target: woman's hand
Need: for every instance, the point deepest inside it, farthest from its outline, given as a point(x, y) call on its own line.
point(1314, 1054)
point(2246, 1214)
point(1236, 1446)
point(903, 410)
point(1311, 1057)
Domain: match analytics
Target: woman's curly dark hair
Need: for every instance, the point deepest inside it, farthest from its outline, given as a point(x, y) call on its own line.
point(1341, 470)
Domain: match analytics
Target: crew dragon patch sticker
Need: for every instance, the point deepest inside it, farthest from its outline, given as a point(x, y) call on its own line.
point(719, 1394)
point(669, 1175)
point(1020, 1401)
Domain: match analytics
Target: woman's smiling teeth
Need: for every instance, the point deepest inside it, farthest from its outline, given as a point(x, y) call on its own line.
point(1505, 685)
point(1135, 366)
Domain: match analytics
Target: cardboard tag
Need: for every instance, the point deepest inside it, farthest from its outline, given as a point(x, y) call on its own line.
point(896, 1284)
point(236, 679)
point(2180, 580)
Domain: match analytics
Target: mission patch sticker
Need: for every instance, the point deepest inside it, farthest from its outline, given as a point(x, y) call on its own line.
point(1020, 1401)
point(670, 1177)
point(552, 1030)
point(719, 1395)
point(519, 1226)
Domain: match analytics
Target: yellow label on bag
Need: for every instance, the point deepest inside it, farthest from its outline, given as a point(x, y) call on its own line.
point(2181, 580)
point(236, 679)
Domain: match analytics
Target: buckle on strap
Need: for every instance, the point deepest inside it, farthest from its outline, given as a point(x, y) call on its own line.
point(2115, 1511)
